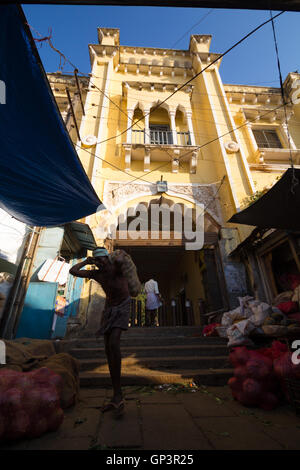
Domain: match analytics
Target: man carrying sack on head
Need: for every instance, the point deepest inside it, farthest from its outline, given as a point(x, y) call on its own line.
point(117, 275)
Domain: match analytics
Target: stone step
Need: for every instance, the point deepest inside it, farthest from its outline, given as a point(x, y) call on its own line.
point(159, 331)
point(160, 363)
point(154, 351)
point(212, 377)
point(138, 341)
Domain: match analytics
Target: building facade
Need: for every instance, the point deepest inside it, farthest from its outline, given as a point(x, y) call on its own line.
point(215, 145)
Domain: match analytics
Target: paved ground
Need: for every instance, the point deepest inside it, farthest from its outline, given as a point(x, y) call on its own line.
point(168, 420)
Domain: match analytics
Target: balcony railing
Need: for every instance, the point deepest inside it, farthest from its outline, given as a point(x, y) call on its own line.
point(160, 137)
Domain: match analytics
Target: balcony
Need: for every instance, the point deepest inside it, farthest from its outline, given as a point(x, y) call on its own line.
point(158, 146)
point(160, 138)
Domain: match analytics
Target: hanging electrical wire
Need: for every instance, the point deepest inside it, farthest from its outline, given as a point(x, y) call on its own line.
point(295, 181)
point(196, 75)
point(181, 86)
point(213, 140)
point(188, 152)
point(160, 104)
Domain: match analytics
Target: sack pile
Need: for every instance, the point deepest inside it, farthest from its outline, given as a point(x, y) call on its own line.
point(256, 381)
point(29, 403)
point(245, 319)
point(129, 271)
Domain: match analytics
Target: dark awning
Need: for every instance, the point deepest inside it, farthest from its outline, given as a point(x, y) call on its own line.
point(278, 208)
point(83, 234)
point(42, 180)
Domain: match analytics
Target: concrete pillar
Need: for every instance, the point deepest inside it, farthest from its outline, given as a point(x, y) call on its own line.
point(287, 135)
point(127, 157)
point(147, 159)
point(129, 124)
point(173, 126)
point(147, 128)
point(190, 127)
point(251, 137)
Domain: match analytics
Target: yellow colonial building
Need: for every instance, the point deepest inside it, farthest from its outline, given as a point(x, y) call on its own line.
point(151, 133)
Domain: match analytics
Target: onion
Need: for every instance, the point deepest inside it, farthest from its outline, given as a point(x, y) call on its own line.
point(234, 383)
point(7, 377)
point(49, 400)
point(252, 389)
point(233, 359)
point(18, 426)
point(241, 355)
point(283, 366)
point(278, 349)
point(23, 382)
point(42, 374)
point(32, 400)
point(12, 401)
point(38, 427)
point(259, 368)
point(57, 381)
point(55, 419)
point(240, 373)
point(9, 372)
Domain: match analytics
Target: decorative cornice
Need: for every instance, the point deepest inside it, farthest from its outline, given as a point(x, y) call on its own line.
point(155, 86)
point(155, 51)
point(267, 114)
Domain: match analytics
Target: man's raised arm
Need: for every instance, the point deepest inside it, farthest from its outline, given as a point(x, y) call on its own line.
point(76, 269)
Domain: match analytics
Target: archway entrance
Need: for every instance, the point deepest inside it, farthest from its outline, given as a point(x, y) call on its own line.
point(185, 277)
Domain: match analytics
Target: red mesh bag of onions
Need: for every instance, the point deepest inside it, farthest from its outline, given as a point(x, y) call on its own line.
point(255, 382)
point(29, 403)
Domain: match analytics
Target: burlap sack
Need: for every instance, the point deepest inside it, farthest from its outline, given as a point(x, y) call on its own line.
point(129, 271)
point(25, 354)
point(68, 368)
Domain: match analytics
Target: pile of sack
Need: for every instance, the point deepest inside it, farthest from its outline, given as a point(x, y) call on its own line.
point(30, 403)
point(253, 316)
point(26, 354)
point(259, 375)
point(243, 320)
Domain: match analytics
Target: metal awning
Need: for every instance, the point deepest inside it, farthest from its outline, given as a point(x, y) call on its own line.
point(279, 208)
point(83, 234)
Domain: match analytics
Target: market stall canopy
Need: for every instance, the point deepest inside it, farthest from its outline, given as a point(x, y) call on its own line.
point(83, 235)
point(42, 180)
point(278, 208)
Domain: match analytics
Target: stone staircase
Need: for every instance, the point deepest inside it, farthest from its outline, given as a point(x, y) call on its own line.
point(154, 356)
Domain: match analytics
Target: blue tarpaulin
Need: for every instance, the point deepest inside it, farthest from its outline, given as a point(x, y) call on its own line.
point(42, 180)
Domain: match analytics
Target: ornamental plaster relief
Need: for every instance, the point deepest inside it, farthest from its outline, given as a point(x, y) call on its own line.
point(124, 193)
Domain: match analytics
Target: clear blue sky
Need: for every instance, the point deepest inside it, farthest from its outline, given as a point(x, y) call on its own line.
point(253, 62)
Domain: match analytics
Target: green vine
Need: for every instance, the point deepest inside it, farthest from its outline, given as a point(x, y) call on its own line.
point(247, 201)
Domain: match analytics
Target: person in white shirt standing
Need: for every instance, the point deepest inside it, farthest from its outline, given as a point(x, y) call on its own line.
point(153, 301)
